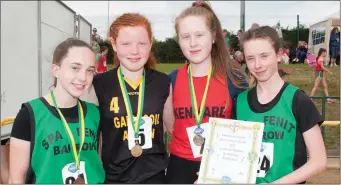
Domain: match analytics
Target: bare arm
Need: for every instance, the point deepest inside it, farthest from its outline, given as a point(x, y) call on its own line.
point(4, 164)
point(168, 116)
point(317, 161)
point(19, 160)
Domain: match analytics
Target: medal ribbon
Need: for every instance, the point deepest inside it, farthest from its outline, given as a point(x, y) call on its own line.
point(136, 124)
point(68, 131)
point(198, 116)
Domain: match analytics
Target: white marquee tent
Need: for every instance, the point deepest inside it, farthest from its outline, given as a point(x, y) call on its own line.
point(319, 33)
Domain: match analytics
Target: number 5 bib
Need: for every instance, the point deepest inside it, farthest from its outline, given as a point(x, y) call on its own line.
point(145, 134)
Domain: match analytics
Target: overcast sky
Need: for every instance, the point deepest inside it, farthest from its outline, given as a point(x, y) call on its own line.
point(162, 13)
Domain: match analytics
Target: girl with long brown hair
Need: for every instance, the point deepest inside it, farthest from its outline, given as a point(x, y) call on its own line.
point(205, 87)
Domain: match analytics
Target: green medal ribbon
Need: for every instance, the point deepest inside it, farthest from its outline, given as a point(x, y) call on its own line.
point(198, 116)
point(136, 124)
point(68, 131)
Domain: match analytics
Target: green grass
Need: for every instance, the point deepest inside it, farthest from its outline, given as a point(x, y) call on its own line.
point(303, 77)
point(167, 68)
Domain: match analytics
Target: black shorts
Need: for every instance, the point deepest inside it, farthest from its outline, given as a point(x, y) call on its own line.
point(182, 171)
point(159, 178)
point(5, 142)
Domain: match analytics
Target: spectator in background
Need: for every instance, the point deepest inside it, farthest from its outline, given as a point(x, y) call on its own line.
point(96, 48)
point(239, 34)
point(96, 35)
point(94, 44)
point(227, 37)
point(102, 62)
point(284, 55)
point(319, 75)
point(254, 26)
point(301, 52)
point(238, 59)
point(334, 45)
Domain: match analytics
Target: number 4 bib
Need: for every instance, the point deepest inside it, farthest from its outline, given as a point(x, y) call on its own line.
point(266, 159)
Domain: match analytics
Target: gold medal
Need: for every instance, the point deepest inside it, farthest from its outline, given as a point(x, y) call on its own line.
point(198, 140)
point(136, 151)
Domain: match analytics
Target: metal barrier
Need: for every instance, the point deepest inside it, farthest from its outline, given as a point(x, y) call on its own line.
point(6, 127)
point(324, 100)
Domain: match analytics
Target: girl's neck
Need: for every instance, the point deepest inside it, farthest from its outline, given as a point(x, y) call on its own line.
point(131, 75)
point(63, 98)
point(272, 86)
point(202, 68)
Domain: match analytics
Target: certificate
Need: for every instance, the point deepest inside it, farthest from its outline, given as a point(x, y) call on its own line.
point(231, 152)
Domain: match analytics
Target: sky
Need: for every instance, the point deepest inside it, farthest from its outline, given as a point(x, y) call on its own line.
point(162, 13)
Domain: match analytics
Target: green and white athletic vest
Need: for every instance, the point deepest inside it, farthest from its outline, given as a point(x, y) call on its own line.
point(278, 144)
point(52, 159)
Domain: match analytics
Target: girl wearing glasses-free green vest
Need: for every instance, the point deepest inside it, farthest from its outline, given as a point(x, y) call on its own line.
point(291, 120)
point(54, 139)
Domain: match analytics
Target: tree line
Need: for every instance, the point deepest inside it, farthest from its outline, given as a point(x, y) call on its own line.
point(168, 51)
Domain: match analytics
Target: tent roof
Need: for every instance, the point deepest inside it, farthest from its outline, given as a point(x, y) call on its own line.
point(333, 16)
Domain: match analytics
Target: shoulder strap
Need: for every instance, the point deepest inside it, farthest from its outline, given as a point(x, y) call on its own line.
point(172, 76)
point(30, 175)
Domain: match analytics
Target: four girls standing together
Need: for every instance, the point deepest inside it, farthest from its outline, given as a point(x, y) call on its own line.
point(118, 137)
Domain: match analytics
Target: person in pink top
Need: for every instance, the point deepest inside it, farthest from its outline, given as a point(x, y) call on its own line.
point(319, 75)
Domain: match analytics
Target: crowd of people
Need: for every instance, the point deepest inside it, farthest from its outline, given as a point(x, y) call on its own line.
point(63, 137)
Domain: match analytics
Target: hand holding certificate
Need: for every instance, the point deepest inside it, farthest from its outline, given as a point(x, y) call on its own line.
point(231, 152)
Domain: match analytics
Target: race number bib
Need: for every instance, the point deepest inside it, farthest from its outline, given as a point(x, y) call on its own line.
point(70, 172)
point(197, 150)
point(266, 159)
point(145, 134)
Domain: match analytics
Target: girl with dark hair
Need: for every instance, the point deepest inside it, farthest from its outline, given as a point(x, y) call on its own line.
point(205, 87)
point(319, 75)
point(291, 120)
point(54, 138)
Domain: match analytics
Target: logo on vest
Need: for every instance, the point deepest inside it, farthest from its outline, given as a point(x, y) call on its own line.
point(72, 168)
